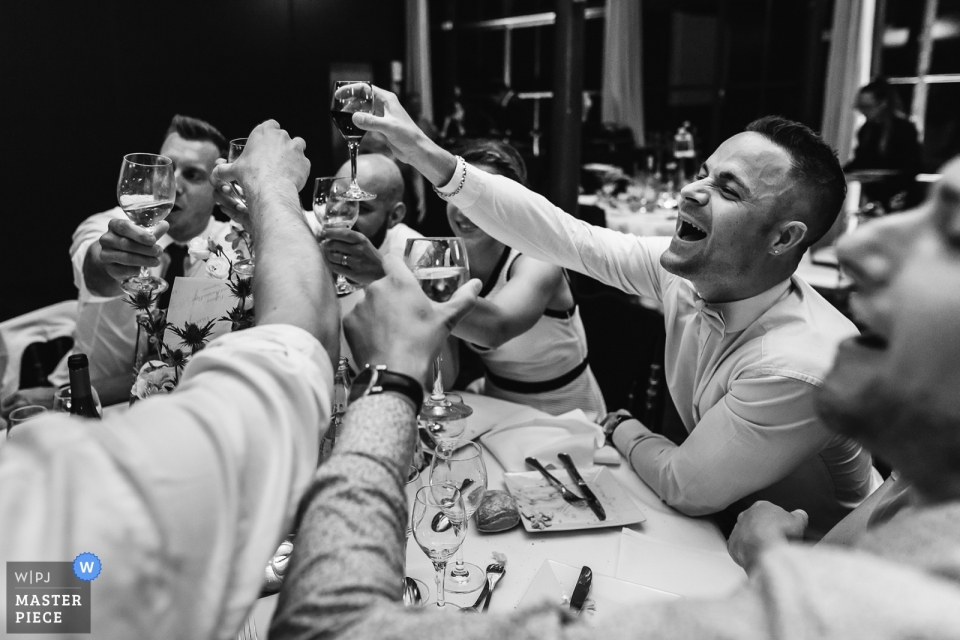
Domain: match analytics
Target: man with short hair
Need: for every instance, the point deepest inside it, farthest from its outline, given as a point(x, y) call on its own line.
point(894, 389)
point(107, 247)
point(748, 342)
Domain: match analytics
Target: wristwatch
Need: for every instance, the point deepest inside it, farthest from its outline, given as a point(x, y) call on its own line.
point(613, 420)
point(377, 379)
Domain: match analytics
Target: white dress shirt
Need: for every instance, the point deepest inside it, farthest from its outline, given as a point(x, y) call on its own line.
point(106, 326)
point(184, 497)
point(742, 374)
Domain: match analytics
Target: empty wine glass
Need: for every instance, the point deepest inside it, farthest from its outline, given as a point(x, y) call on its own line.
point(244, 266)
point(349, 97)
point(439, 525)
point(440, 265)
point(414, 482)
point(334, 210)
point(23, 414)
point(146, 191)
point(461, 464)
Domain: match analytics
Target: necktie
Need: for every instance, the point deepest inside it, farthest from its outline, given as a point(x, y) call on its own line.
point(177, 253)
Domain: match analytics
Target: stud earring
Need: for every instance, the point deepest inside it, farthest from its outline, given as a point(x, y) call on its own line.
point(776, 252)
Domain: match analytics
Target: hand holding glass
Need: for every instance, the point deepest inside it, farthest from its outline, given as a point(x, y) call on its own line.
point(146, 191)
point(243, 267)
point(333, 209)
point(349, 97)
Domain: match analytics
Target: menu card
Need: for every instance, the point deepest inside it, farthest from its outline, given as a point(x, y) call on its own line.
point(198, 300)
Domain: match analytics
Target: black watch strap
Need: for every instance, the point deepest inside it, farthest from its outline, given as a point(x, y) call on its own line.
point(612, 421)
point(378, 379)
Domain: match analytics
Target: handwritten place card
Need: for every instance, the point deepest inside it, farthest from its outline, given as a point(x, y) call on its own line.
point(198, 300)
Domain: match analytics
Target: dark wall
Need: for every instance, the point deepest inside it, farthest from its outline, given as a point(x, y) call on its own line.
point(83, 83)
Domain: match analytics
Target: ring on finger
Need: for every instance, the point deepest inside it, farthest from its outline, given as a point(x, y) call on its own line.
point(343, 260)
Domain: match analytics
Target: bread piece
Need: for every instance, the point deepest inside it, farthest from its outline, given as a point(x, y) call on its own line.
point(497, 512)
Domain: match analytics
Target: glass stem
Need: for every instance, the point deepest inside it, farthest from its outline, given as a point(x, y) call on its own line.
point(441, 568)
point(144, 272)
point(437, 380)
point(459, 571)
point(353, 146)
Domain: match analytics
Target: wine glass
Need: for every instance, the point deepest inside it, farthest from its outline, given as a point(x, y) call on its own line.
point(244, 266)
point(439, 524)
point(349, 97)
point(146, 191)
point(414, 482)
point(23, 414)
point(445, 422)
point(334, 209)
point(440, 265)
point(461, 464)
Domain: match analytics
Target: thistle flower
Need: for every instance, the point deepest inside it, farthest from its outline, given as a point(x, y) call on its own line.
point(193, 335)
point(142, 300)
point(239, 318)
point(241, 288)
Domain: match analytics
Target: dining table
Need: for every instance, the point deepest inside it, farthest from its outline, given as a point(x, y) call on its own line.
point(695, 542)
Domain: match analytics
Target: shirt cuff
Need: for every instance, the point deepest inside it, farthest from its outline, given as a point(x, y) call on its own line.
point(627, 434)
point(474, 185)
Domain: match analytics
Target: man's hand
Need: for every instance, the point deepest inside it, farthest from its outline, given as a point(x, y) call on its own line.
point(119, 254)
point(408, 143)
point(228, 197)
point(363, 262)
point(270, 160)
point(398, 326)
point(761, 526)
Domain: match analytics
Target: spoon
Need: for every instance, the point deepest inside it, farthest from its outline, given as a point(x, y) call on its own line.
point(411, 592)
point(441, 522)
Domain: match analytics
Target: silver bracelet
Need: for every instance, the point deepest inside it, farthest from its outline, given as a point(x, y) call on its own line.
point(463, 178)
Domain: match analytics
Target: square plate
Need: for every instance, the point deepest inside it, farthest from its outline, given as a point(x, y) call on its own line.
point(543, 509)
point(555, 581)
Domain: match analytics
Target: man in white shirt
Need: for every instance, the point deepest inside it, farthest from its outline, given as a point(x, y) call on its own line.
point(107, 247)
point(748, 343)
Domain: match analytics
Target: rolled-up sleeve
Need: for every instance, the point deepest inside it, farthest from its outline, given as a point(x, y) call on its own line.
point(184, 497)
point(762, 429)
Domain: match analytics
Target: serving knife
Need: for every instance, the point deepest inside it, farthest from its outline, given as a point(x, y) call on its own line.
point(591, 498)
point(568, 495)
point(582, 589)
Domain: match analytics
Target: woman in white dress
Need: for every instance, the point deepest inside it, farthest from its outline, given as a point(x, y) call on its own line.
point(525, 326)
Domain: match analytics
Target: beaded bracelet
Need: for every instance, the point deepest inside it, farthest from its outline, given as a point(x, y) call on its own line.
point(463, 178)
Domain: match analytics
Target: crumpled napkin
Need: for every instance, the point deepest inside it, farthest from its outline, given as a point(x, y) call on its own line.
point(543, 438)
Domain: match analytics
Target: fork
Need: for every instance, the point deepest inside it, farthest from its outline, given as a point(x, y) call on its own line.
point(495, 571)
point(567, 495)
point(249, 631)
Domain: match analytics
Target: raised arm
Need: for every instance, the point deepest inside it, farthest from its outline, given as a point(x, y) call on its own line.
point(518, 217)
point(515, 308)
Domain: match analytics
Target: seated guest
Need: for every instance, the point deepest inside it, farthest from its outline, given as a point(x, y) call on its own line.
point(747, 342)
point(887, 140)
point(893, 389)
point(185, 497)
point(526, 326)
point(107, 247)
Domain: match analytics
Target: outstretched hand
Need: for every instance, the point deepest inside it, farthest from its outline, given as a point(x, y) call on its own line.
point(401, 132)
point(226, 196)
point(762, 526)
point(349, 253)
point(126, 247)
point(398, 326)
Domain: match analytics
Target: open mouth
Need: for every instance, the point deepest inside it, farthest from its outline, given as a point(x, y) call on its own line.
point(690, 232)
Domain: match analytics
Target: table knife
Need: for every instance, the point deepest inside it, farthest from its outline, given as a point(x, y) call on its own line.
point(568, 495)
point(581, 590)
point(592, 501)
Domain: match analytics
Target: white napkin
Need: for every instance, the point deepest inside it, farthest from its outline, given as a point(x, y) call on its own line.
point(689, 571)
point(544, 438)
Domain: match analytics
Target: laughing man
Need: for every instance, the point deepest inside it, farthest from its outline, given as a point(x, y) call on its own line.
point(748, 342)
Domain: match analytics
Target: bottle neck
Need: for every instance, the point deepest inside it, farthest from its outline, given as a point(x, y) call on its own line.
point(80, 384)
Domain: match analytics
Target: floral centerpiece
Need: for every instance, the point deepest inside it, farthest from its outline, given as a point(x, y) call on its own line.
point(160, 373)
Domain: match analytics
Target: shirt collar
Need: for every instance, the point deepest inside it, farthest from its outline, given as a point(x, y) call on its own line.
point(738, 315)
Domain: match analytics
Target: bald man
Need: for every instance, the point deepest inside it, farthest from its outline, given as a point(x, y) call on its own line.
point(379, 231)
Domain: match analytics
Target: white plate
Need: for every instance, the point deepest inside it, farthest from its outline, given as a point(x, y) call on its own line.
point(543, 509)
point(555, 581)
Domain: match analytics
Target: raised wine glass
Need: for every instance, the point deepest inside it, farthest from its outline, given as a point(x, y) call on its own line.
point(439, 524)
point(461, 464)
point(349, 97)
point(243, 267)
point(146, 191)
point(333, 209)
point(440, 265)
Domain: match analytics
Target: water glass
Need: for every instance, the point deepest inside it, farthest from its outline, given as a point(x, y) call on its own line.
point(439, 525)
point(21, 415)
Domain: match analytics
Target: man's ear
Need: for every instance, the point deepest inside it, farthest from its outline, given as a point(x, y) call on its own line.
point(396, 215)
point(790, 235)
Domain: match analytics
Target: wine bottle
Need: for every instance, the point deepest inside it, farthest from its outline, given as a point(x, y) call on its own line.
point(81, 393)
